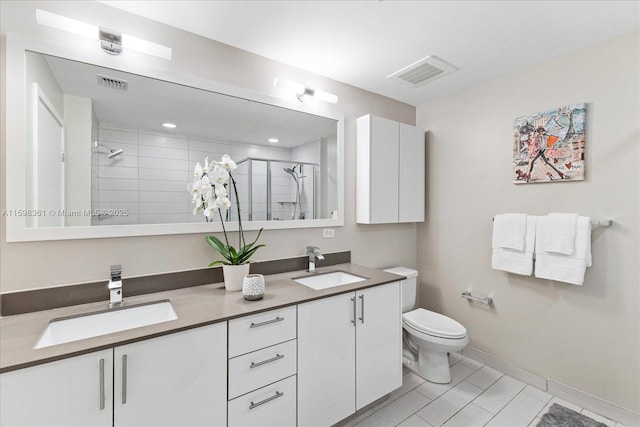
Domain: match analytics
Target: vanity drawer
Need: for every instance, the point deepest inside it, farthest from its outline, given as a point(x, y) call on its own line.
point(250, 333)
point(251, 371)
point(273, 405)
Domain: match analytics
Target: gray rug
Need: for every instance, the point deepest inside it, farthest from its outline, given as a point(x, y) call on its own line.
point(559, 416)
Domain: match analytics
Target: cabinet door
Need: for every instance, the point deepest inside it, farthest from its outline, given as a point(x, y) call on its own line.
point(411, 174)
point(70, 392)
point(326, 360)
point(384, 171)
point(378, 343)
point(178, 379)
point(377, 170)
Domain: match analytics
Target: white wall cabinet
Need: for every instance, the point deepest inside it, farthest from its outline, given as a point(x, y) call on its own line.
point(349, 353)
point(177, 379)
point(72, 392)
point(390, 174)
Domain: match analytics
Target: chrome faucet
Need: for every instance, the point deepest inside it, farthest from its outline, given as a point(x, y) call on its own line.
point(313, 252)
point(115, 286)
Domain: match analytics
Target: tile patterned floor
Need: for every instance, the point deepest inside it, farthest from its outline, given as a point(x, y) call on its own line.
point(476, 396)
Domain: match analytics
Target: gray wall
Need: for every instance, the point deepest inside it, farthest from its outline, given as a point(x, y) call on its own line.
point(587, 337)
point(42, 264)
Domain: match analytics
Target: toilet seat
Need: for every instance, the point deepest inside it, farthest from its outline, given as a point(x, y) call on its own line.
point(434, 324)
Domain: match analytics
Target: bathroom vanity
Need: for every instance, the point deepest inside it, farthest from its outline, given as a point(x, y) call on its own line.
point(301, 356)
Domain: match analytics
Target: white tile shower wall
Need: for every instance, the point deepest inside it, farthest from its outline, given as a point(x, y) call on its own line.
point(149, 180)
point(163, 199)
point(118, 176)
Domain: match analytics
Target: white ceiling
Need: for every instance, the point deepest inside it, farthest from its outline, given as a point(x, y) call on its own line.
point(361, 42)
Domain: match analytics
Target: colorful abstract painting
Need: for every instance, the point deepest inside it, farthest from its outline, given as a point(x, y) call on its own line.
point(549, 146)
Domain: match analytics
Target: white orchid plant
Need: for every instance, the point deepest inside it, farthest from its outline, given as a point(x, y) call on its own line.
point(211, 198)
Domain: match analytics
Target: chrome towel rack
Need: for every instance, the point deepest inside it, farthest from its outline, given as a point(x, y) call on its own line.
point(594, 222)
point(486, 300)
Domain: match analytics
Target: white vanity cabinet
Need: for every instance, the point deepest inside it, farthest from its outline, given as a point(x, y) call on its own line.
point(349, 353)
point(390, 175)
point(71, 392)
point(262, 369)
point(178, 379)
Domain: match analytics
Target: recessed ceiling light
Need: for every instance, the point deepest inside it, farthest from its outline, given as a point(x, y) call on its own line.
point(273, 140)
point(169, 125)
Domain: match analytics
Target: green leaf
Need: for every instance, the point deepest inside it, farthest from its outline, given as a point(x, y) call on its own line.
point(249, 253)
point(217, 244)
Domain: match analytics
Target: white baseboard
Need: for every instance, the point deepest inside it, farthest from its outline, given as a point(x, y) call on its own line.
point(506, 368)
point(570, 394)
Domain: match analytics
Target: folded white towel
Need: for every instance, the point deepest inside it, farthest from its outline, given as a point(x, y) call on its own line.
point(514, 261)
point(559, 233)
point(565, 268)
point(509, 230)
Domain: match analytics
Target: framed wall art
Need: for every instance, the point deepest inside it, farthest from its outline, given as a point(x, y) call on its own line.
point(549, 146)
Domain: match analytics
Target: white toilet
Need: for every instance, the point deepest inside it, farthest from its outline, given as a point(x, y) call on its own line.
point(428, 336)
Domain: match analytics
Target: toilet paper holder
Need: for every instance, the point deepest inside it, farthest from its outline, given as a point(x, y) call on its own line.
point(486, 300)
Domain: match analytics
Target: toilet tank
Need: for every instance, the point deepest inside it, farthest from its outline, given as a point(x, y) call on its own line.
point(409, 286)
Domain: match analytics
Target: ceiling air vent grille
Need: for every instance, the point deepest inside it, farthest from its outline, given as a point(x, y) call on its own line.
point(112, 83)
point(423, 71)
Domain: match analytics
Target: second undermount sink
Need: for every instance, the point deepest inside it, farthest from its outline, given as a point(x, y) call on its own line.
point(76, 328)
point(328, 280)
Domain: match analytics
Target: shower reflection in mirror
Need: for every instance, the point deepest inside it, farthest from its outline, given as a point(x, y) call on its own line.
point(276, 190)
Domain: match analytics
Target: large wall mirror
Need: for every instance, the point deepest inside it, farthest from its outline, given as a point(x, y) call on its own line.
point(99, 161)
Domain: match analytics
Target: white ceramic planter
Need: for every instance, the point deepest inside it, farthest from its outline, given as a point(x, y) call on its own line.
point(234, 276)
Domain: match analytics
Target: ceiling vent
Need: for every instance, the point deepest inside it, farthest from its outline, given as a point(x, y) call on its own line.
point(423, 71)
point(112, 83)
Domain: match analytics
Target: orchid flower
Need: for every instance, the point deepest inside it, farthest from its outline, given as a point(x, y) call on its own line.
point(210, 195)
point(228, 164)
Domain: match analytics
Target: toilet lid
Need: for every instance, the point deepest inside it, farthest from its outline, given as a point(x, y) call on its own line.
point(434, 324)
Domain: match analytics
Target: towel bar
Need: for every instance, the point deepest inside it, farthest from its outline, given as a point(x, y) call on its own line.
point(594, 222)
point(487, 300)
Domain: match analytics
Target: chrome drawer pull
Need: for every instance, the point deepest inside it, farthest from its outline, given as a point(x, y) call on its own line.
point(102, 396)
point(264, 362)
point(277, 319)
point(268, 399)
point(362, 312)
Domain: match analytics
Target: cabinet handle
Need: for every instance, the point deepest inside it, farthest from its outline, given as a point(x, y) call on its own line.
point(277, 319)
point(273, 359)
point(102, 396)
point(268, 399)
point(124, 379)
point(362, 306)
point(353, 300)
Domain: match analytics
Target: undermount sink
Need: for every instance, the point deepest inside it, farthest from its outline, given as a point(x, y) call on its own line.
point(328, 280)
point(76, 328)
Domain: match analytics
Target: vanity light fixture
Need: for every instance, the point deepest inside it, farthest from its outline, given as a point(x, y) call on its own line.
point(170, 125)
point(302, 91)
point(273, 140)
point(112, 42)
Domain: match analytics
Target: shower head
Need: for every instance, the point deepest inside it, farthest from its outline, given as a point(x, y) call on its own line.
point(115, 153)
point(290, 171)
point(112, 152)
